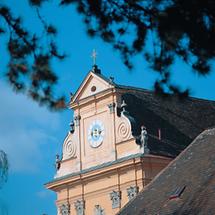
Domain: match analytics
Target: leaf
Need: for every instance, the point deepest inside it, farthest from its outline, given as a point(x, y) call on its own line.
point(51, 30)
point(36, 2)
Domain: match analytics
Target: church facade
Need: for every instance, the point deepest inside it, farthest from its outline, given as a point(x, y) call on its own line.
point(120, 139)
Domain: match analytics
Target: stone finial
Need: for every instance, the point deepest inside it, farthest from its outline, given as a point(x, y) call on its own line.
point(57, 162)
point(144, 140)
point(65, 209)
point(77, 120)
point(79, 207)
point(99, 210)
point(72, 127)
point(96, 70)
point(111, 107)
point(123, 106)
point(111, 78)
point(115, 196)
point(132, 192)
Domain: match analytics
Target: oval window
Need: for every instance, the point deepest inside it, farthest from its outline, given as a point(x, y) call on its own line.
point(93, 88)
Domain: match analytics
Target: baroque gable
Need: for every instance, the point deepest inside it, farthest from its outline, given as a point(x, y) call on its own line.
point(91, 85)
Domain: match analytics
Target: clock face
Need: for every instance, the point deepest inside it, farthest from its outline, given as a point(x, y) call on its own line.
point(96, 133)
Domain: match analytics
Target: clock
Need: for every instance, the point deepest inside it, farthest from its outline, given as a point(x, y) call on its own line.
point(96, 133)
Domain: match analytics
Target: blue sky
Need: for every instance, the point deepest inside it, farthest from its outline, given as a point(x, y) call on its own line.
point(31, 135)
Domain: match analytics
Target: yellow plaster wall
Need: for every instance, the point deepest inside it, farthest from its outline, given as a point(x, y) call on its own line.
point(127, 148)
point(96, 188)
point(105, 152)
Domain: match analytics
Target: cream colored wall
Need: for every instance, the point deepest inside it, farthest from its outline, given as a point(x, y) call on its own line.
point(127, 148)
point(98, 110)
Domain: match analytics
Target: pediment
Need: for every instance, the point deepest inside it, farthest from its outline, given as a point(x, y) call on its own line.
point(92, 84)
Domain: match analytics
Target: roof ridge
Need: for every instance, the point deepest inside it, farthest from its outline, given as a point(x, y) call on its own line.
point(143, 90)
point(134, 88)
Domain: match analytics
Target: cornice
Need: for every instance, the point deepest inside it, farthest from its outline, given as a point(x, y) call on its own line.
point(91, 98)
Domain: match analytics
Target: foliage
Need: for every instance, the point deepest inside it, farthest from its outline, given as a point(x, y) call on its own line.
point(161, 31)
point(29, 67)
point(3, 168)
point(174, 28)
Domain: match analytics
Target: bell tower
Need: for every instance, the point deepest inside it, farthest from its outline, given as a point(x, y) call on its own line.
point(102, 164)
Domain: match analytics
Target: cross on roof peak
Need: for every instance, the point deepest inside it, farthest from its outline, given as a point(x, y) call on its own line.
point(94, 56)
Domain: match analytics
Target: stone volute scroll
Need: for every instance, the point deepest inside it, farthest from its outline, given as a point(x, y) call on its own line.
point(123, 127)
point(98, 210)
point(132, 192)
point(65, 209)
point(115, 197)
point(79, 207)
point(69, 147)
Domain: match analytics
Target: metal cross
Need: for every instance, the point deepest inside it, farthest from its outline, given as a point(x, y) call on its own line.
point(94, 55)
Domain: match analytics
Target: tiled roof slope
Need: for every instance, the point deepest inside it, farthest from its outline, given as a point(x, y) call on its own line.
point(193, 169)
point(179, 120)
